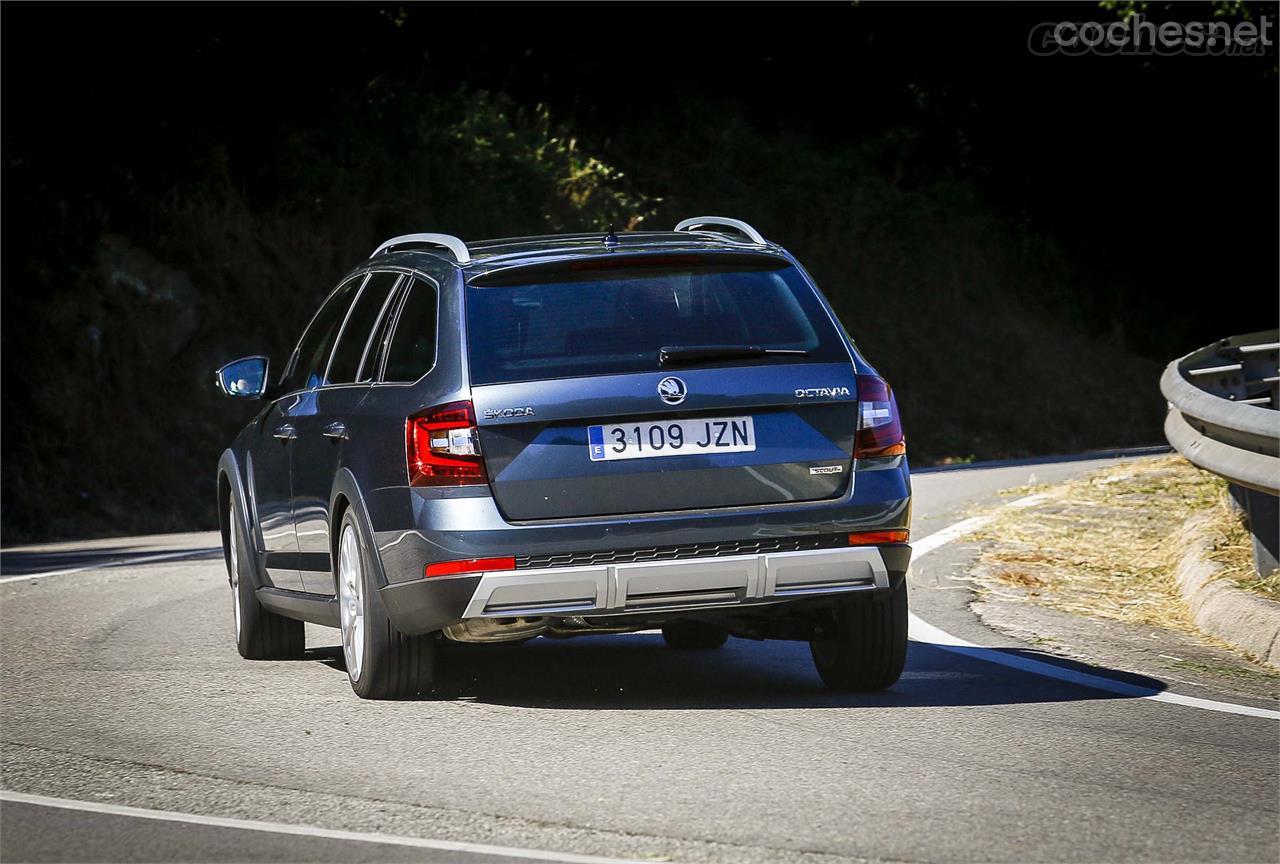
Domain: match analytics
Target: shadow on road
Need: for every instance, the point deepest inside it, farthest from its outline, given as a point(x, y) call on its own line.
point(23, 563)
point(638, 672)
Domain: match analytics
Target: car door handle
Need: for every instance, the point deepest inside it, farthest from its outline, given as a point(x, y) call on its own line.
point(285, 432)
point(336, 430)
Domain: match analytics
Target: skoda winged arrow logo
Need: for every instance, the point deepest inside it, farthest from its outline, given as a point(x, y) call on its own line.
point(672, 390)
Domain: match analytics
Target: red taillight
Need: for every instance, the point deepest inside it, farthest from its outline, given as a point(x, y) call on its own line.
point(872, 538)
point(444, 447)
point(469, 565)
point(879, 429)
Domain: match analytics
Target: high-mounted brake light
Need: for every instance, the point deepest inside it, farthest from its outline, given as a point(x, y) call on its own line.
point(443, 447)
point(468, 565)
point(872, 538)
point(879, 429)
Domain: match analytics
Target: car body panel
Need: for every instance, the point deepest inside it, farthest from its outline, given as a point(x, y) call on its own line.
point(539, 466)
point(316, 458)
point(272, 490)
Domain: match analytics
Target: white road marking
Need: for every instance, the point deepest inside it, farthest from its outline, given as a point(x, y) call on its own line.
point(922, 631)
point(954, 532)
point(308, 830)
point(120, 562)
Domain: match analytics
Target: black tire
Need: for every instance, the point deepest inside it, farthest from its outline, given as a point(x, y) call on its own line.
point(867, 647)
point(693, 635)
point(260, 633)
point(394, 666)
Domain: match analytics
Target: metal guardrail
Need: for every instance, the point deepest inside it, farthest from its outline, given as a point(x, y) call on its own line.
point(1223, 417)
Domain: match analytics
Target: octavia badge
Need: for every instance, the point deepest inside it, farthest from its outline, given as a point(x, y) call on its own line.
point(672, 390)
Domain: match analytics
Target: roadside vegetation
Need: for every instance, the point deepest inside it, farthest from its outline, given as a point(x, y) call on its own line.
point(1107, 544)
point(122, 298)
point(130, 300)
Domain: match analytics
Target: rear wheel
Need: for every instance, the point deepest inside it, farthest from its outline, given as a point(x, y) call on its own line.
point(260, 633)
point(382, 662)
point(693, 635)
point(867, 646)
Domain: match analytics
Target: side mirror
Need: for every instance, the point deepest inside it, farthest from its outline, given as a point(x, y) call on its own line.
point(245, 378)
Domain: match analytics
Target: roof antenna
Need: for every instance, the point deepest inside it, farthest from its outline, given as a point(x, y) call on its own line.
point(611, 239)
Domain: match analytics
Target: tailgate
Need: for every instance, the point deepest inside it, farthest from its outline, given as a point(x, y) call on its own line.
point(760, 434)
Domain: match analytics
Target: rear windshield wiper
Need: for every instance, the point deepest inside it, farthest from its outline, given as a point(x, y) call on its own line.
point(688, 355)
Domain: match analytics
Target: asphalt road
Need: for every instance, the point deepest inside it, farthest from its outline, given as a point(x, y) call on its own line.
point(121, 684)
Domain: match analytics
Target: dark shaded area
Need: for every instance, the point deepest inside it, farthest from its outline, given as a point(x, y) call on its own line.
point(1018, 242)
point(638, 672)
point(29, 562)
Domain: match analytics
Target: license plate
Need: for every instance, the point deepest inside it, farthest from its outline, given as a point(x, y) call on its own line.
point(671, 438)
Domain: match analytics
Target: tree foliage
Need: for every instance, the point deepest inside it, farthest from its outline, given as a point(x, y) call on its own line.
point(113, 328)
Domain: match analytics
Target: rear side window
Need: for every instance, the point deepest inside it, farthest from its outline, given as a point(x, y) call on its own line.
point(313, 351)
point(412, 351)
point(355, 333)
point(617, 321)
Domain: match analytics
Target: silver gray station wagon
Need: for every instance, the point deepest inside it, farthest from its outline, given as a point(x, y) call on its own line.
point(566, 436)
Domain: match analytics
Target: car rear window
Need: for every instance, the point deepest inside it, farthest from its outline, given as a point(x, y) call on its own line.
point(606, 322)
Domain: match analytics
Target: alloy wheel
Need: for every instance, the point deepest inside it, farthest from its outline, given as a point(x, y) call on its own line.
point(235, 569)
point(351, 601)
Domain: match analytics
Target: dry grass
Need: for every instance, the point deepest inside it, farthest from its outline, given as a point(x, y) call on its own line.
point(1104, 544)
point(1233, 549)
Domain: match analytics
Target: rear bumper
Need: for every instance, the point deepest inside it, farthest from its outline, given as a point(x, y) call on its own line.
point(414, 527)
point(645, 587)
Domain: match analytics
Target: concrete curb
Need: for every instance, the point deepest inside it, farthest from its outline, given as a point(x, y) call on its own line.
point(1245, 620)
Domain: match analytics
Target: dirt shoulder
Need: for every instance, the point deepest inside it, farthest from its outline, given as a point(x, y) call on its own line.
point(1090, 571)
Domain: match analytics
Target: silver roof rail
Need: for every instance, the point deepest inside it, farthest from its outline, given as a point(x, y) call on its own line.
point(736, 224)
point(459, 249)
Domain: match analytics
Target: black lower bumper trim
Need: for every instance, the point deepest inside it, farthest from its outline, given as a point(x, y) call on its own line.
point(425, 605)
point(897, 556)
